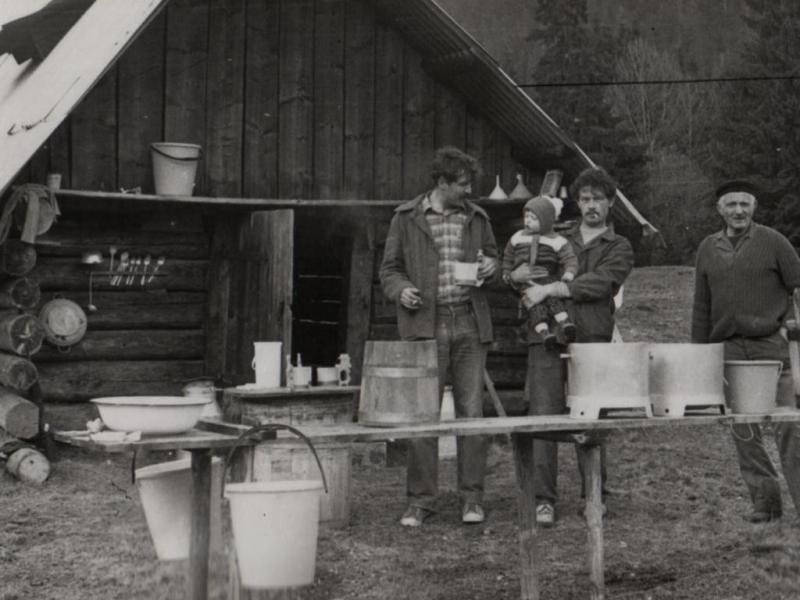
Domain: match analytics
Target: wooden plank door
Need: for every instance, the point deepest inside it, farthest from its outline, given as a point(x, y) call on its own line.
point(250, 290)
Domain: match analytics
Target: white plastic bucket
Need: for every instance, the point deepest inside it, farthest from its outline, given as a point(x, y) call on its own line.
point(752, 385)
point(174, 167)
point(275, 526)
point(267, 364)
point(166, 493)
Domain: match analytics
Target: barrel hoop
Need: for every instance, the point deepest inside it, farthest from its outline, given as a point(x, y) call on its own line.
point(399, 372)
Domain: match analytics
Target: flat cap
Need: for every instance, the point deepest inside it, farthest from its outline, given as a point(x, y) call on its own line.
point(736, 185)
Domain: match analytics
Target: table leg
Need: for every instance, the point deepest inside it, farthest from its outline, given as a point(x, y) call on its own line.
point(594, 521)
point(201, 519)
point(523, 462)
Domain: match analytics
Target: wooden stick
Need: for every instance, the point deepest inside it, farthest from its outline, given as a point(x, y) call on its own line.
point(498, 406)
point(794, 344)
point(523, 462)
point(594, 521)
point(201, 519)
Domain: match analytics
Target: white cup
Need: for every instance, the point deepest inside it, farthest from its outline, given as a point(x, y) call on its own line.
point(327, 376)
point(466, 273)
point(301, 376)
point(267, 364)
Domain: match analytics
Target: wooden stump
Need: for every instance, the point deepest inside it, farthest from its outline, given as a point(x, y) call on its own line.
point(18, 416)
point(17, 258)
point(22, 293)
point(17, 372)
point(28, 465)
point(20, 333)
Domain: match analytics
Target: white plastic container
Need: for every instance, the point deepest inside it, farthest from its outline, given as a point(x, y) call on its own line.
point(166, 493)
point(267, 364)
point(275, 526)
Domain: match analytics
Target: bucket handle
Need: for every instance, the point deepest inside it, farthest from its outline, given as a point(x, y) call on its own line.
point(270, 427)
point(187, 159)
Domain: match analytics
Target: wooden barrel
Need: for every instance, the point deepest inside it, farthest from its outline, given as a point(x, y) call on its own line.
point(399, 384)
point(282, 459)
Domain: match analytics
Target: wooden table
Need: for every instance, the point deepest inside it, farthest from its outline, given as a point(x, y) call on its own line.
point(314, 404)
point(201, 445)
point(523, 430)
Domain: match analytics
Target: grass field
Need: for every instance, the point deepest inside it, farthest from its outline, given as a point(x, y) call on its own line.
point(675, 528)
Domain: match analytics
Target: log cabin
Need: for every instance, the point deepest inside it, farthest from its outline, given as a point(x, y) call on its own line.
point(315, 118)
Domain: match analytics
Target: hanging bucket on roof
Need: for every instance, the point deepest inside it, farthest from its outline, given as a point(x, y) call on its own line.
point(175, 167)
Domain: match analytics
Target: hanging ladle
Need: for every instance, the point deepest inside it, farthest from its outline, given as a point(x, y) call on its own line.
point(90, 259)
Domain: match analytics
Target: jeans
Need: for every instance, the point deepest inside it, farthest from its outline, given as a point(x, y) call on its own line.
point(544, 392)
point(754, 463)
point(462, 356)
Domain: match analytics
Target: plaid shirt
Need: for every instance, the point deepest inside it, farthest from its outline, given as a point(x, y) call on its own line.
point(447, 228)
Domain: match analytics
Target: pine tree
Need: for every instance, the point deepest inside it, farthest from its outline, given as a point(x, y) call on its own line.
point(757, 135)
point(574, 52)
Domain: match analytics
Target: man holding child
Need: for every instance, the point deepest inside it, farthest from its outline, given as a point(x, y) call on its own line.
point(604, 261)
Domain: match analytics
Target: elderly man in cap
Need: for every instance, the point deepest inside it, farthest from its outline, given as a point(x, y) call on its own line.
point(744, 277)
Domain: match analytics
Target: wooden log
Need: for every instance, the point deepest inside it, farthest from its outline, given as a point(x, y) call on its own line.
point(23, 293)
point(66, 242)
point(78, 381)
point(358, 304)
point(17, 372)
point(152, 309)
point(18, 416)
point(20, 333)
point(68, 274)
point(17, 258)
point(200, 525)
point(142, 344)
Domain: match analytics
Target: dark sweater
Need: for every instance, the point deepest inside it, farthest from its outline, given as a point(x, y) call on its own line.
point(743, 291)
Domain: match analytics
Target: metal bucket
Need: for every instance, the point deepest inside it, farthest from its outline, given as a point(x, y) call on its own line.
point(751, 386)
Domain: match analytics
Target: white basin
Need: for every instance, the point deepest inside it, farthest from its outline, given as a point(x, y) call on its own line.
point(151, 414)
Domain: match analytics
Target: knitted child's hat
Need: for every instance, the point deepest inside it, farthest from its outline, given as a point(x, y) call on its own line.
point(544, 211)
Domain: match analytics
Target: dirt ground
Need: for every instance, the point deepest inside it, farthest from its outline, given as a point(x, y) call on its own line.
point(675, 528)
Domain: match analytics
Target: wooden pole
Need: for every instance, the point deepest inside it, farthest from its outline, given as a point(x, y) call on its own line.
point(201, 519)
point(594, 520)
point(523, 462)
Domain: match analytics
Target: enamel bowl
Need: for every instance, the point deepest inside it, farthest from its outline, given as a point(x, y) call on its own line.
point(151, 414)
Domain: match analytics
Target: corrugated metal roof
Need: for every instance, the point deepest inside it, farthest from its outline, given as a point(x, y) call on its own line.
point(455, 57)
point(37, 95)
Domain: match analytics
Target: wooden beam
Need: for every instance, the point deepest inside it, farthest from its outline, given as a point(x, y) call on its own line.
point(359, 300)
point(388, 113)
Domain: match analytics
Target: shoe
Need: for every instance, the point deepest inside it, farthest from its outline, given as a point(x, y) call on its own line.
point(569, 332)
point(415, 516)
point(763, 516)
point(472, 513)
point(550, 342)
point(545, 514)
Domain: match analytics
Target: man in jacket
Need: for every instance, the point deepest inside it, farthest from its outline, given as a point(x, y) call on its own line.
point(604, 261)
point(745, 274)
point(427, 236)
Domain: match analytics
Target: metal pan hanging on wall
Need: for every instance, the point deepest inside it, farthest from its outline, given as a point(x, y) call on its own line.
point(64, 322)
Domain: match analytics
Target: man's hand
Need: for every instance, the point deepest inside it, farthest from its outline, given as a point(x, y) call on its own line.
point(486, 267)
point(410, 298)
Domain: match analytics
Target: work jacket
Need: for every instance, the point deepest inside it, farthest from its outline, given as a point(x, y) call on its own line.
point(410, 259)
point(603, 265)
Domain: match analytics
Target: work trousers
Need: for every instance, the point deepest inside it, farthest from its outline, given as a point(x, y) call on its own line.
point(544, 393)
point(462, 359)
point(756, 467)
